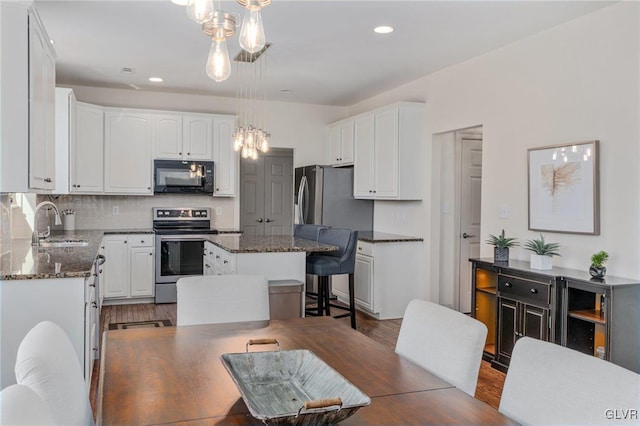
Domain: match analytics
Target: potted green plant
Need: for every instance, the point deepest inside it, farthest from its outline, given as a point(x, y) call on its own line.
point(542, 253)
point(597, 268)
point(501, 246)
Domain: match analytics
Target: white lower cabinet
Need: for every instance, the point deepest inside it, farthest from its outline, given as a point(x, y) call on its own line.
point(129, 269)
point(69, 302)
point(388, 275)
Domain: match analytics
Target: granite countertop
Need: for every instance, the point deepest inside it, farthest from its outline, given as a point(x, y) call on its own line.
point(381, 237)
point(274, 244)
point(25, 262)
point(22, 261)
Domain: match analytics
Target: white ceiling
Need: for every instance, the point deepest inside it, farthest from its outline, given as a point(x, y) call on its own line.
point(323, 52)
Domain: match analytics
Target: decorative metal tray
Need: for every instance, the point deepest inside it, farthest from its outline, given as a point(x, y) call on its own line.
point(292, 387)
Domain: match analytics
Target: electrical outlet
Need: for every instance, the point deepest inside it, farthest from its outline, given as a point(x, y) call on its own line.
point(115, 210)
point(218, 211)
point(503, 211)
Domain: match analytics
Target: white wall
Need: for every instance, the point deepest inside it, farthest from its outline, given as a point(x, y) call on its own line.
point(575, 82)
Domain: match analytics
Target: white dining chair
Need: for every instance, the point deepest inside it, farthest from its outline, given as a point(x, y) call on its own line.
point(551, 384)
point(21, 406)
point(48, 364)
point(218, 299)
point(443, 341)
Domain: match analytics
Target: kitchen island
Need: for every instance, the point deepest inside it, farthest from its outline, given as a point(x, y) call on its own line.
point(280, 258)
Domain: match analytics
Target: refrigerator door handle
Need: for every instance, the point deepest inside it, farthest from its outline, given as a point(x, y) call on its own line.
point(302, 211)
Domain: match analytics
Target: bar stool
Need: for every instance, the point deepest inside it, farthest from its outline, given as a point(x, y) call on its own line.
point(309, 232)
point(335, 263)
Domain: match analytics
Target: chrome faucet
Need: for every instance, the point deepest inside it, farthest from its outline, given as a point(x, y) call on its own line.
point(37, 236)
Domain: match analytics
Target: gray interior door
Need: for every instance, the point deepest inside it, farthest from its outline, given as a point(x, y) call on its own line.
point(278, 195)
point(266, 194)
point(252, 196)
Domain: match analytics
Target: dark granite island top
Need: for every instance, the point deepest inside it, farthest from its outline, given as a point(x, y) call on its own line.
point(268, 244)
point(381, 237)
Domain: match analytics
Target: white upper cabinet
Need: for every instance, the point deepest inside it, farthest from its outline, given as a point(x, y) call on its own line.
point(389, 153)
point(127, 151)
point(178, 136)
point(42, 84)
point(86, 152)
point(79, 145)
point(167, 136)
point(27, 78)
point(224, 157)
point(364, 167)
point(197, 137)
point(341, 143)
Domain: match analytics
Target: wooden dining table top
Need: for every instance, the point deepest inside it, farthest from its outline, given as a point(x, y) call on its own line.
point(174, 375)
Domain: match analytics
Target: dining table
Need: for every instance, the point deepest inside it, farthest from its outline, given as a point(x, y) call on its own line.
point(174, 375)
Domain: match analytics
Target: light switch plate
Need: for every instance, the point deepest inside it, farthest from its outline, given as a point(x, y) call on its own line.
point(503, 211)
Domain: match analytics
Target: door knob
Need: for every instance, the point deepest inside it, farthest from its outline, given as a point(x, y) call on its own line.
point(465, 235)
point(259, 220)
point(268, 220)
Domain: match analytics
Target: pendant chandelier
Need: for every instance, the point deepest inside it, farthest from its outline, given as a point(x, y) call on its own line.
point(251, 135)
point(220, 25)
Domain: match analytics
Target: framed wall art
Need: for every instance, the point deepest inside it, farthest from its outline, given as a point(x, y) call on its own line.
point(563, 188)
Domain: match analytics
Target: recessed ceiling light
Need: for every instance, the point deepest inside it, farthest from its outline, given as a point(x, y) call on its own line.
point(180, 2)
point(155, 79)
point(51, 41)
point(383, 29)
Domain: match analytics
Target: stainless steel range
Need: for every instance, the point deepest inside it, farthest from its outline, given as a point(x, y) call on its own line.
point(180, 235)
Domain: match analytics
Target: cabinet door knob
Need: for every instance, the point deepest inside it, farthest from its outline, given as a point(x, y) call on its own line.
point(188, 153)
point(125, 241)
point(508, 284)
point(151, 254)
point(78, 186)
point(226, 261)
point(179, 153)
point(47, 179)
point(533, 291)
point(259, 220)
point(268, 220)
point(73, 186)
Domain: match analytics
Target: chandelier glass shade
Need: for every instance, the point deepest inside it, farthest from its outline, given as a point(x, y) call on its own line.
point(251, 136)
point(220, 25)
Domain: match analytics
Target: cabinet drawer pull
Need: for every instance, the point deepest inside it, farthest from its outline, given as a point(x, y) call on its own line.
point(533, 291)
point(226, 261)
point(94, 305)
point(48, 180)
point(508, 284)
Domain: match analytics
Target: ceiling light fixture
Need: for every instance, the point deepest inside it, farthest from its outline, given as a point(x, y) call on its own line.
point(251, 135)
point(252, 38)
point(220, 25)
point(383, 29)
point(200, 11)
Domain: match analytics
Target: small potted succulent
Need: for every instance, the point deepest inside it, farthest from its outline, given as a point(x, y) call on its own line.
point(542, 253)
point(501, 246)
point(597, 268)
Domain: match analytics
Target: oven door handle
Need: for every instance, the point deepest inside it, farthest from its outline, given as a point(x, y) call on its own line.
point(182, 237)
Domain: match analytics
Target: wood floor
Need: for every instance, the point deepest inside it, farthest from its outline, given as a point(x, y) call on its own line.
point(490, 381)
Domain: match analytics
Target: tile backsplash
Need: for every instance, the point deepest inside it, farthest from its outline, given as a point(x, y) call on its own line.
point(103, 211)
point(135, 212)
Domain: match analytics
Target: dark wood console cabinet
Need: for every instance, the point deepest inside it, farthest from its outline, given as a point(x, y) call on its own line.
point(564, 306)
point(524, 303)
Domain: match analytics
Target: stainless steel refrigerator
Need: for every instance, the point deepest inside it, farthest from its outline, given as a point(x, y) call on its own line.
point(324, 196)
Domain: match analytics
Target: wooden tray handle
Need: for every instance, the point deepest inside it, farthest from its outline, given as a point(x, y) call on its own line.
point(321, 403)
point(265, 341)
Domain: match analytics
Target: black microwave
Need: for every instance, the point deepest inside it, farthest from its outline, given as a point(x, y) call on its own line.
point(182, 177)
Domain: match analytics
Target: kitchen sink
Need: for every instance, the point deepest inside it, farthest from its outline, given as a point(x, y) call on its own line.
point(64, 243)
